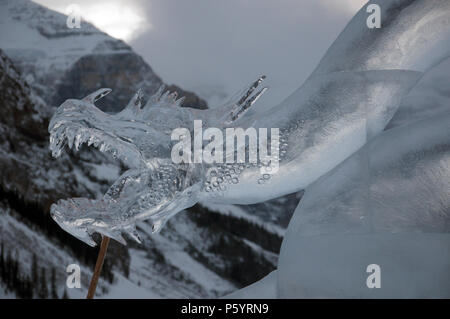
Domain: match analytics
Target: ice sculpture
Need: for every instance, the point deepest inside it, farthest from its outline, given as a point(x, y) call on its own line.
point(154, 187)
point(349, 98)
point(388, 204)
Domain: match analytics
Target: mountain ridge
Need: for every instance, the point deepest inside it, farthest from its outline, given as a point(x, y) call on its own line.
point(51, 55)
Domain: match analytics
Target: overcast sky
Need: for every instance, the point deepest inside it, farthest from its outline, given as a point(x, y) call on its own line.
point(220, 45)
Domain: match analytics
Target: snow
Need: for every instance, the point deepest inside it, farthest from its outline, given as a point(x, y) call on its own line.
point(106, 172)
point(6, 294)
point(238, 212)
point(172, 245)
point(264, 252)
point(125, 289)
point(262, 289)
point(18, 237)
point(47, 48)
point(84, 180)
point(198, 272)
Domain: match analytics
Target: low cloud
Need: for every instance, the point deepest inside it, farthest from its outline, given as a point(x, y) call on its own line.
point(216, 47)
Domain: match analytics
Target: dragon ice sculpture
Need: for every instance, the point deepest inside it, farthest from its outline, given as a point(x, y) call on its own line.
point(347, 100)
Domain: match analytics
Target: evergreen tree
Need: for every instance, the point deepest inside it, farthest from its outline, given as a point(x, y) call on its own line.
point(65, 295)
point(43, 290)
point(8, 266)
point(15, 272)
point(2, 259)
point(35, 274)
point(12, 276)
point(53, 292)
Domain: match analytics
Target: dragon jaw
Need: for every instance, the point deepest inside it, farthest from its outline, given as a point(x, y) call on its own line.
point(138, 195)
point(78, 122)
point(71, 215)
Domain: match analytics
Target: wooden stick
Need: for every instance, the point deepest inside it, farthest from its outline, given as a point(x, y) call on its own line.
point(98, 267)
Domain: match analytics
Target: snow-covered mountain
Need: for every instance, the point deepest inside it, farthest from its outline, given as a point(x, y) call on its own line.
point(60, 63)
point(207, 251)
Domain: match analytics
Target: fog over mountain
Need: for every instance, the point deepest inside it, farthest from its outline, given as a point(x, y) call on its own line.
point(215, 47)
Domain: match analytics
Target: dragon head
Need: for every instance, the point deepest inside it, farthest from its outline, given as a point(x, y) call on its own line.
point(152, 188)
point(138, 195)
point(137, 135)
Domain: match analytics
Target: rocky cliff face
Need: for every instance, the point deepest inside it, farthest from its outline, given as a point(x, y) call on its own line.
point(126, 72)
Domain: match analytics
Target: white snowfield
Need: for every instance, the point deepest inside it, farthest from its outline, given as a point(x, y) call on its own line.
point(40, 42)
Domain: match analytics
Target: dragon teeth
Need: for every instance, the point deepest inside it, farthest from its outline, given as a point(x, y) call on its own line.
point(56, 153)
point(70, 139)
point(77, 142)
point(76, 137)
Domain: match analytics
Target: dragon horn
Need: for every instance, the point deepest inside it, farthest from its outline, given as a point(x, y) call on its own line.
point(250, 89)
point(133, 233)
point(156, 97)
point(136, 100)
point(173, 96)
point(180, 101)
point(97, 95)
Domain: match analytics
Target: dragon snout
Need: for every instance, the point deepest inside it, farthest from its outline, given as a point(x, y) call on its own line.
point(70, 218)
point(83, 217)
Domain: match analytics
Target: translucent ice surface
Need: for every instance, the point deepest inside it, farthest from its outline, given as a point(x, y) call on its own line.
point(321, 124)
point(347, 101)
point(153, 188)
point(388, 204)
